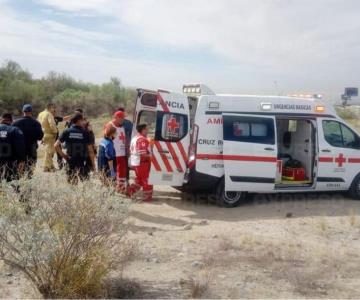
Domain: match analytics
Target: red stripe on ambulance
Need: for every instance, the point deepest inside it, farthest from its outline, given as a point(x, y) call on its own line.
point(354, 160)
point(162, 102)
point(326, 159)
point(174, 156)
point(183, 152)
point(163, 156)
point(155, 163)
point(272, 159)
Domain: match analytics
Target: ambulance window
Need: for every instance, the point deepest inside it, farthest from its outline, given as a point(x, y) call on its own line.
point(349, 138)
point(241, 129)
point(171, 127)
point(148, 118)
point(249, 129)
point(258, 129)
point(339, 135)
point(149, 99)
point(332, 133)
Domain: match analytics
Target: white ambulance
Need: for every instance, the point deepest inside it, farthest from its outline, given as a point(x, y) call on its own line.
point(231, 145)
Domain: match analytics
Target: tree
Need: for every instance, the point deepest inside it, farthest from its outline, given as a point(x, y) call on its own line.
point(17, 87)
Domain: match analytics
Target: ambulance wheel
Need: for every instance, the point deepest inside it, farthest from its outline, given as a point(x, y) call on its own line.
point(354, 190)
point(228, 199)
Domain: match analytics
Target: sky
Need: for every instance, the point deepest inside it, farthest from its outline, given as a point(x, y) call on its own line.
point(234, 46)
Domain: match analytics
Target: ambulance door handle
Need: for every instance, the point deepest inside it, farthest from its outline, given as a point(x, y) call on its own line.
point(164, 151)
point(325, 150)
point(269, 149)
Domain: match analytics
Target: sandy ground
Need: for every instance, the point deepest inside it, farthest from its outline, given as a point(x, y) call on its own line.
point(291, 247)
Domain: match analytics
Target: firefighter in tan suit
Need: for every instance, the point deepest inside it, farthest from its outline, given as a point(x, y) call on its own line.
point(47, 121)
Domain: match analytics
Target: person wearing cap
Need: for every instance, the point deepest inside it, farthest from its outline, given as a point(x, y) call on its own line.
point(78, 149)
point(12, 149)
point(48, 125)
point(120, 143)
point(33, 133)
point(128, 127)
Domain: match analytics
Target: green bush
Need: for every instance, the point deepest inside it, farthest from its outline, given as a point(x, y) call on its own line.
point(17, 87)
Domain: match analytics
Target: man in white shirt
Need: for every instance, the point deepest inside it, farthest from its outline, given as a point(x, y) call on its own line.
point(120, 145)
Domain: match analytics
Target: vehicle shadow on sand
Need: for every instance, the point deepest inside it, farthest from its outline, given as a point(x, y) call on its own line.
point(261, 206)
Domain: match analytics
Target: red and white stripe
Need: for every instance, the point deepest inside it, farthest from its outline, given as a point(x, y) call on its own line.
point(169, 157)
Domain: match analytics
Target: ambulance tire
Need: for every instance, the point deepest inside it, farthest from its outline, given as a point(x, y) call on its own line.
point(228, 199)
point(354, 190)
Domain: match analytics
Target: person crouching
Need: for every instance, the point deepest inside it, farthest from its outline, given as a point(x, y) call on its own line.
point(140, 158)
point(107, 157)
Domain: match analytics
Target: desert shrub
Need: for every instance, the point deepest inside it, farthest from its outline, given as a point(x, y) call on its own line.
point(64, 238)
point(347, 113)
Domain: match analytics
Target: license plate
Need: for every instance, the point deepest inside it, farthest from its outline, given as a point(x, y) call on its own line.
point(167, 177)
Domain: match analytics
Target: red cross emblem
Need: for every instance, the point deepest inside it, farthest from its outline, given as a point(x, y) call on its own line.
point(173, 125)
point(122, 137)
point(340, 160)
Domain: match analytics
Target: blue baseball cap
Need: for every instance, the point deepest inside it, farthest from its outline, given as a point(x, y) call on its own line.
point(27, 108)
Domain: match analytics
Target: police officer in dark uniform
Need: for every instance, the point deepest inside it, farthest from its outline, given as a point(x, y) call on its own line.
point(78, 149)
point(12, 149)
point(33, 133)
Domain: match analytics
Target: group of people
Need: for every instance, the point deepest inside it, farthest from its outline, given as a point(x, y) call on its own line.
point(117, 153)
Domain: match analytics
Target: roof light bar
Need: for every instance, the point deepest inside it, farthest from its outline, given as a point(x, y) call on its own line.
point(197, 89)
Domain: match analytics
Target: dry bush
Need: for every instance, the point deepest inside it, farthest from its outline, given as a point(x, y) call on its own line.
point(353, 218)
point(323, 225)
point(200, 283)
point(226, 244)
point(65, 238)
point(347, 113)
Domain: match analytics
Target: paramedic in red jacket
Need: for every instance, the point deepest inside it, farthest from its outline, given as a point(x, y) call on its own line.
point(140, 160)
point(120, 143)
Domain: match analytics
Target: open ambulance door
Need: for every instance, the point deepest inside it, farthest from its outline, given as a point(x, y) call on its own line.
point(249, 152)
point(167, 115)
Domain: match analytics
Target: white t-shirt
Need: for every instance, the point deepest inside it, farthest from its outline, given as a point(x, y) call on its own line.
point(139, 145)
point(120, 141)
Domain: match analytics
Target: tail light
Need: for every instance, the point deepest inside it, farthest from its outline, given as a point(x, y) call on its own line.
point(193, 145)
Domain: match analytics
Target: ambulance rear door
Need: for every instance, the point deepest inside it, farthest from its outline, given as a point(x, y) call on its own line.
point(249, 152)
point(145, 111)
point(171, 139)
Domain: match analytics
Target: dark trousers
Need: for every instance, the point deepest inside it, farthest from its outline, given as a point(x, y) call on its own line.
point(8, 171)
point(77, 171)
point(30, 164)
